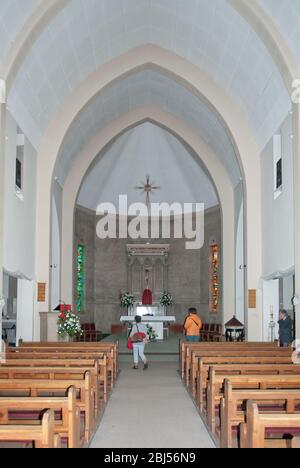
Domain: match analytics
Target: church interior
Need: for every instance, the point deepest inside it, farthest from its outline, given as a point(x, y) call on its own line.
point(149, 217)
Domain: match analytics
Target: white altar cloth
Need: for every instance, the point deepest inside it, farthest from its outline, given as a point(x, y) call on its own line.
point(156, 322)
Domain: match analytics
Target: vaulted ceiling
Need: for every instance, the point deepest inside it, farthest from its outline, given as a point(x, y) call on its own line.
point(147, 150)
point(85, 34)
point(147, 87)
point(286, 16)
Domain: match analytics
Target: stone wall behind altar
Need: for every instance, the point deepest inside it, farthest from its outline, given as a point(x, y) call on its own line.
point(106, 270)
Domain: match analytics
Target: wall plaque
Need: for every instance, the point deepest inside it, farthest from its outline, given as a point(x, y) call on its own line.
point(252, 299)
point(41, 292)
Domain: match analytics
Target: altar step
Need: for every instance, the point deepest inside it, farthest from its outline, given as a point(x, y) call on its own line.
point(162, 351)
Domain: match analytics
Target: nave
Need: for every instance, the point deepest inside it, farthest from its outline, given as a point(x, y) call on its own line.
point(151, 409)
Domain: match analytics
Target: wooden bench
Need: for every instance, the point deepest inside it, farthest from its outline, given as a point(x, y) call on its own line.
point(105, 346)
point(233, 404)
point(43, 388)
point(239, 366)
point(41, 436)
point(236, 348)
point(59, 373)
point(77, 352)
point(253, 432)
point(87, 364)
point(187, 348)
point(27, 410)
point(246, 352)
point(215, 388)
point(105, 364)
point(198, 365)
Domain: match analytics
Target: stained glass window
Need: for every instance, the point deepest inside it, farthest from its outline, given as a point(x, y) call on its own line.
point(214, 293)
point(80, 277)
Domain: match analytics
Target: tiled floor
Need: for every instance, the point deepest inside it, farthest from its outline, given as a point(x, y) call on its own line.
point(151, 410)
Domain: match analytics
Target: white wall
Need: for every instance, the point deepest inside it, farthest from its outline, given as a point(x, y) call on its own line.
point(278, 216)
point(19, 216)
point(19, 227)
point(56, 256)
point(239, 253)
point(26, 292)
point(270, 306)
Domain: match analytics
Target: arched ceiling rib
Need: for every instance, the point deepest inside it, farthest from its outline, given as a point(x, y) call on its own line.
point(13, 16)
point(286, 16)
point(147, 87)
point(85, 34)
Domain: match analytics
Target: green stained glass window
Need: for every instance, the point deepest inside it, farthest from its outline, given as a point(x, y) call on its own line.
point(80, 277)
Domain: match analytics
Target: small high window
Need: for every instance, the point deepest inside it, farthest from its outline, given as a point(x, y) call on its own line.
point(19, 164)
point(19, 169)
point(279, 174)
point(278, 165)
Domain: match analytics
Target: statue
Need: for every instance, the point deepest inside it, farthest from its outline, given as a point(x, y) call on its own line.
point(147, 299)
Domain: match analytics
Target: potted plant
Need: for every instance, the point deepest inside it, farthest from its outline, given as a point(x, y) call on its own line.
point(166, 300)
point(69, 326)
point(127, 300)
point(152, 336)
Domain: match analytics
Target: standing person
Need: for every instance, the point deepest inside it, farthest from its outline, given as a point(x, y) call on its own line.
point(138, 337)
point(193, 325)
point(285, 329)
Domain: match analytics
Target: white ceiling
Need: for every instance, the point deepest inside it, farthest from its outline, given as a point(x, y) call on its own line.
point(147, 149)
point(286, 16)
point(13, 16)
point(87, 33)
point(146, 88)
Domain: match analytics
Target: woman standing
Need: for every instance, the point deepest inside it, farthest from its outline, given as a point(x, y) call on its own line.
point(139, 337)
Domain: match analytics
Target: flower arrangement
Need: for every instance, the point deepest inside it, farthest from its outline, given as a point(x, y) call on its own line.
point(69, 325)
point(127, 300)
point(167, 299)
point(151, 333)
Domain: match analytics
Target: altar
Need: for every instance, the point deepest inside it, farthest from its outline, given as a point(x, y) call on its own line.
point(157, 322)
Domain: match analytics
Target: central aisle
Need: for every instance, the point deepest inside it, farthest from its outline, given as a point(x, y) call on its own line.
point(151, 410)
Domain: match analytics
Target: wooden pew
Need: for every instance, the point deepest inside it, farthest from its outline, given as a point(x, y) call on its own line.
point(86, 364)
point(43, 388)
point(233, 402)
point(238, 366)
point(42, 436)
point(23, 407)
point(228, 350)
point(104, 366)
point(215, 388)
point(246, 352)
point(68, 353)
point(253, 432)
point(185, 348)
point(111, 347)
point(58, 373)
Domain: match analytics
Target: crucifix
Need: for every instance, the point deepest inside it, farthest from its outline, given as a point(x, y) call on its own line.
point(148, 188)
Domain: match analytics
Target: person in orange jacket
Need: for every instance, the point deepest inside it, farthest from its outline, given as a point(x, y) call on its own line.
point(192, 326)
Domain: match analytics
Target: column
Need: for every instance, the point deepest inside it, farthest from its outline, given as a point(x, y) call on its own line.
point(2, 167)
point(296, 118)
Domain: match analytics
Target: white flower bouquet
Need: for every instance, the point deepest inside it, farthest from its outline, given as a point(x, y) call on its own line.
point(127, 300)
point(69, 325)
point(166, 300)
